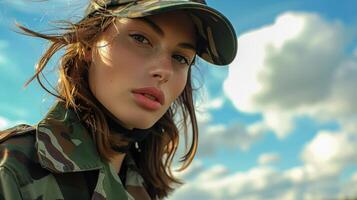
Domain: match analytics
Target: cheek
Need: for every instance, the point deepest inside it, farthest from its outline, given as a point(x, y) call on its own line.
point(112, 63)
point(99, 81)
point(178, 85)
point(125, 59)
point(103, 75)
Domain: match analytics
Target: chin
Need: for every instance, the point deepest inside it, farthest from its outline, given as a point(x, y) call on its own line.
point(139, 123)
point(144, 120)
point(140, 119)
point(145, 125)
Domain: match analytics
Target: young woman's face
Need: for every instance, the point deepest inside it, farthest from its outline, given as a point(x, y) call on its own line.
point(140, 66)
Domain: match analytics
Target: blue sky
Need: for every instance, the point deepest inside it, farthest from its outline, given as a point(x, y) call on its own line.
point(279, 123)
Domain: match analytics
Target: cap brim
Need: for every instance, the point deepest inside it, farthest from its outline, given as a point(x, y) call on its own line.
point(215, 29)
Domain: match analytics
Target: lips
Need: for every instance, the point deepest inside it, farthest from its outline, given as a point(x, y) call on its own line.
point(151, 93)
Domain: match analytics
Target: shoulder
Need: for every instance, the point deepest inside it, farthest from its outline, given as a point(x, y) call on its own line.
point(17, 146)
point(17, 142)
point(18, 130)
point(18, 153)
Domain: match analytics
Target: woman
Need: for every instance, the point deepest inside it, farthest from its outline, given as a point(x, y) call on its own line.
point(124, 80)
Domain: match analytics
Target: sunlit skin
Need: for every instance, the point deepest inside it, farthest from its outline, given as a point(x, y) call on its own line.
point(133, 54)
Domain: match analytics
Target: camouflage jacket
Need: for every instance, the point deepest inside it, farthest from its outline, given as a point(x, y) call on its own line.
point(57, 159)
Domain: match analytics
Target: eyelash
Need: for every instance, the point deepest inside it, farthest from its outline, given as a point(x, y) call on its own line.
point(135, 37)
point(139, 38)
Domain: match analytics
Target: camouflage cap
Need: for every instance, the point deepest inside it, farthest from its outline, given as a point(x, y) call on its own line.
point(217, 38)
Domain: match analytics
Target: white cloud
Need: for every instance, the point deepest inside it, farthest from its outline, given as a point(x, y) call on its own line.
point(195, 168)
point(205, 102)
point(215, 136)
point(340, 104)
point(209, 184)
point(263, 182)
point(296, 66)
point(7, 123)
point(268, 158)
point(330, 152)
point(219, 184)
point(215, 103)
point(234, 136)
point(279, 121)
point(4, 123)
point(349, 188)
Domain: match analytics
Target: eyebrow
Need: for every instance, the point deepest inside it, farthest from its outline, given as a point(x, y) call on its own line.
point(161, 33)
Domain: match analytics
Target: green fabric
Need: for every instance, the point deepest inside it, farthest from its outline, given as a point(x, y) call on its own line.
point(49, 161)
point(10, 190)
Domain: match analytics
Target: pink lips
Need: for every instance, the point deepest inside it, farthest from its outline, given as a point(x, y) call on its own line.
point(150, 97)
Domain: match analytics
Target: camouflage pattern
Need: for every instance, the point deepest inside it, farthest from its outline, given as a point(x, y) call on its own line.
point(218, 41)
point(48, 161)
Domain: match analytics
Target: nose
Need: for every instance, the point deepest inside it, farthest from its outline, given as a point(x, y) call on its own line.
point(162, 70)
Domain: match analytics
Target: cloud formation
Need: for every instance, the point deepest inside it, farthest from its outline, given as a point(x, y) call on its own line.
point(7, 123)
point(330, 152)
point(268, 158)
point(4, 123)
point(296, 66)
point(323, 159)
point(235, 136)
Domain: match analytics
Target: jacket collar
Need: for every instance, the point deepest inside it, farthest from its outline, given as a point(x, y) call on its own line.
point(64, 144)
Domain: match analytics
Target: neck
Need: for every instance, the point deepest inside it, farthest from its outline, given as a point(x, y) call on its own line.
point(125, 138)
point(116, 126)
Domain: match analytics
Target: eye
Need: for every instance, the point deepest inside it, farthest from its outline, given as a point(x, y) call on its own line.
point(181, 59)
point(140, 38)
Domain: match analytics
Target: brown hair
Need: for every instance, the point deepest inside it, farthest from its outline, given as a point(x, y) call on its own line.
point(73, 90)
